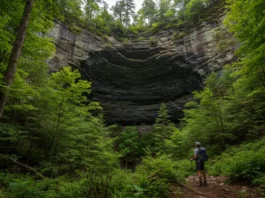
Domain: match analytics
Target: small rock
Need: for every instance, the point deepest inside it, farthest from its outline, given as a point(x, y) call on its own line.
point(221, 184)
point(212, 178)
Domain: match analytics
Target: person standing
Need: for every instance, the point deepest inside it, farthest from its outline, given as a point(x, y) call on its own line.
point(200, 156)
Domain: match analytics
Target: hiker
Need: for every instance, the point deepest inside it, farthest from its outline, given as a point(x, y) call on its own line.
point(200, 156)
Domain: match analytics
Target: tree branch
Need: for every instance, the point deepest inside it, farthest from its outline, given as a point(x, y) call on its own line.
point(28, 167)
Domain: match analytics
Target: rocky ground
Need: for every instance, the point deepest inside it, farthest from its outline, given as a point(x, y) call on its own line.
point(216, 188)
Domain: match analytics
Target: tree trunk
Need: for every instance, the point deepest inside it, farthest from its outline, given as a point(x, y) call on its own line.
point(57, 130)
point(16, 50)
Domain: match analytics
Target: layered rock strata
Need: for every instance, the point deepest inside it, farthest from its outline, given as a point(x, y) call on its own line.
point(132, 80)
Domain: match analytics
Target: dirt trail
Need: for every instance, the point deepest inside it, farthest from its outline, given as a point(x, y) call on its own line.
point(216, 188)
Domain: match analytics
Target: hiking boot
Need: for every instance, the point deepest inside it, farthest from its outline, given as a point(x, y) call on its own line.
point(200, 184)
point(205, 183)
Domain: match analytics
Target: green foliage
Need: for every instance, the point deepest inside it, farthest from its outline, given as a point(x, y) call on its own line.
point(60, 130)
point(242, 163)
point(231, 107)
point(169, 169)
point(22, 186)
point(152, 16)
point(36, 49)
point(118, 29)
point(140, 38)
point(122, 184)
point(10, 137)
point(165, 11)
point(75, 29)
point(70, 10)
point(162, 131)
point(123, 10)
point(248, 29)
point(129, 143)
point(133, 29)
point(63, 102)
point(51, 124)
point(179, 35)
point(154, 175)
point(222, 111)
point(163, 117)
point(153, 42)
point(224, 42)
point(155, 25)
point(149, 11)
point(175, 145)
point(195, 7)
point(152, 178)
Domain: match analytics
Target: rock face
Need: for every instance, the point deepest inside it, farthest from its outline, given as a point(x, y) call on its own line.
point(132, 80)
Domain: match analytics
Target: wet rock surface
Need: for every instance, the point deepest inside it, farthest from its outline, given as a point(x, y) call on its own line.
point(132, 80)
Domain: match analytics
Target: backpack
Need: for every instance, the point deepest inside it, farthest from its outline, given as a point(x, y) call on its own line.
point(202, 155)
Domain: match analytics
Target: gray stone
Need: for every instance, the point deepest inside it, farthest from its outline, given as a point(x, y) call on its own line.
point(132, 80)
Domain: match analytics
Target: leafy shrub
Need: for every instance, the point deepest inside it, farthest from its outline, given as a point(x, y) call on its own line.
point(21, 186)
point(223, 42)
point(140, 38)
point(153, 41)
point(246, 162)
point(124, 40)
point(75, 29)
point(184, 168)
point(155, 175)
point(178, 35)
point(25, 187)
point(156, 26)
point(11, 136)
point(175, 24)
point(133, 30)
point(124, 185)
point(118, 29)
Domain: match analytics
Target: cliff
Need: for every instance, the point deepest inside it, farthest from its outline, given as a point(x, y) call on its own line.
point(132, 79)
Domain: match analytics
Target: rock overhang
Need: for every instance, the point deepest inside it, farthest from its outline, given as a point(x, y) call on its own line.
point(135, 88)
point(132, 80)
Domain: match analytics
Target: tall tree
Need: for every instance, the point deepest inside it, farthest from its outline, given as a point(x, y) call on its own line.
point(104, 20)
point(164, 7)
point(249, 29)
point(149, 10)
point(129, 143)
point(124, 11)
point(118, 10)
point(129, 8)
point(195, 7)
point(91, 8)
point(180, 4)
point(70, 9)
point(163, 129)
point(16, 50)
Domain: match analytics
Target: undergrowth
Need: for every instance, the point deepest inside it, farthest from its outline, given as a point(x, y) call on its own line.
point(151, 178)
point(245, 162)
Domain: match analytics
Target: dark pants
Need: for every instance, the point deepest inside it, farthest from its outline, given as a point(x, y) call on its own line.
point(199, 166)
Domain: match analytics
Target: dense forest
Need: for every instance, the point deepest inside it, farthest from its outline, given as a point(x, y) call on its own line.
point(53, 138)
